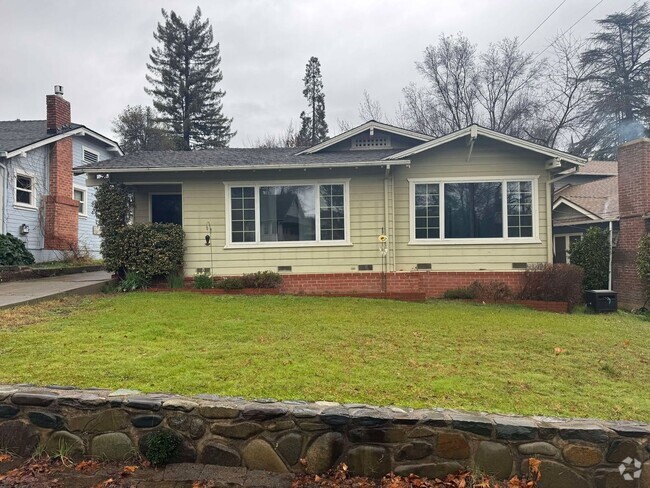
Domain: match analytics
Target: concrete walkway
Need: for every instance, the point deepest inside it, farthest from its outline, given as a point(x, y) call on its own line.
point(30, 291)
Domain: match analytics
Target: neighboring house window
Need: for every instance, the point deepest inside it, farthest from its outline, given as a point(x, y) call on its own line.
point(80, 196)
point(288, 213)
point(166, 208)
point(90, 156)
point(24, 190)
point(471, 210)
point(562, 245)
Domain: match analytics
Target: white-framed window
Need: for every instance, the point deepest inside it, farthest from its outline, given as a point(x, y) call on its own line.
point(79, 194)
point(287, 214)
point(24, 185)
point(562, 245)
point(473, 210)
point(89, 156)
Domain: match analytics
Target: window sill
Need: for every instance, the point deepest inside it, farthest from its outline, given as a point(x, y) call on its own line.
point(490, 241)
point(275, 245)
point(23, 206)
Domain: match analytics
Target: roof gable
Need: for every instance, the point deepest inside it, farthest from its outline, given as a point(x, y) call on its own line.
point(369, 126)
point(473, 131)
point(18, 136)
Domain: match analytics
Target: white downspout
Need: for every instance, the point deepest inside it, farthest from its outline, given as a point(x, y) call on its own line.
point(386, 230)
point(4, 180)
point(611, 252)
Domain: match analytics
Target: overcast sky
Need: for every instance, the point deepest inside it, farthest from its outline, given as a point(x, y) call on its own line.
point(98, 50)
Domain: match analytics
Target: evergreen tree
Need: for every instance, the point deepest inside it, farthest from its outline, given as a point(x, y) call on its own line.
point(619, 70)
point(313, 128)
point(184, 76)
point(138, 130)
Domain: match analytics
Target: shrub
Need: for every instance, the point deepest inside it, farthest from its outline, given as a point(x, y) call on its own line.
point(112, 206)
point(161, 446)
point(148, 249)
point(463, 293)
point(491, 291)
point(262, 279)
point(233, 283)
point(591, 253)
point(553, 282)
point(203, 281)
point(133, 281)
point(643, 262)
point(175, 280)
point(13, 252)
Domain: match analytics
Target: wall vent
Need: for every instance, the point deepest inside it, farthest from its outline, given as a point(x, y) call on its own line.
point(371, 142)
point(365, 267)
point(519, 265)
point(284, 268)
point(423, 266)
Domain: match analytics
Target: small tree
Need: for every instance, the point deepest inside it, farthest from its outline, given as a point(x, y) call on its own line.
point(591, 253)
point(112, 207)
point(643, 263)
point(138, 130)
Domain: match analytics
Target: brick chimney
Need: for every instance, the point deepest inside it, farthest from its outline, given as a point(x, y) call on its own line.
point(58, 111)
point(61, 210)
point(634, 209)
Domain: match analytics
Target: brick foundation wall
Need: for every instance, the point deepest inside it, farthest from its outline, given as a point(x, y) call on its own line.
point(431, 283)
point(634, 205)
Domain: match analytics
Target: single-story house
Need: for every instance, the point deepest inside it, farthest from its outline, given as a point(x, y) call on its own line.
point(41, 201)
point(585, 197)
point(474, 204)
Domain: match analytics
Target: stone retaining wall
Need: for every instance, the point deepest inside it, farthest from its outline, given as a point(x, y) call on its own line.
point(295, 436)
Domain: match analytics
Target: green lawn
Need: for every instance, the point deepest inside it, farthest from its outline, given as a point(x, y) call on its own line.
point(442, 354)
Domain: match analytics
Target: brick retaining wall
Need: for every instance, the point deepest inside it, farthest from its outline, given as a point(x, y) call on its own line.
point(295, 436)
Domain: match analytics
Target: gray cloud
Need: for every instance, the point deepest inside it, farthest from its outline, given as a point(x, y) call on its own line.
point(98, 51)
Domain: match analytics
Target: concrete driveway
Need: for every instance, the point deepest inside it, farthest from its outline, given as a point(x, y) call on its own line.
point(29, 291)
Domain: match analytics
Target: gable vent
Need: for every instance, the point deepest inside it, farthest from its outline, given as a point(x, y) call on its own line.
point(371, 142)
point(90, 157)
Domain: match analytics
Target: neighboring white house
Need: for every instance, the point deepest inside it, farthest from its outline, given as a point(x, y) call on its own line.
point(41, 201)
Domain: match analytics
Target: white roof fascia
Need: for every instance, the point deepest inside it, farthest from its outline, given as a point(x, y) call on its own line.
point(80, 131)
point(577, 208)
point(482, 131)
point(372, 124)
point(81, 169)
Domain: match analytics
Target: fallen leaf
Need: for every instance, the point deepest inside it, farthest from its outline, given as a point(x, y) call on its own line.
point(559, 350)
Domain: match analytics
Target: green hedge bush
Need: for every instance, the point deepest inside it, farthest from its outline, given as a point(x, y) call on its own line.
point(150, 250)
point(13, 252)
point(643, 262)
point(262, 279)
point(591, 253)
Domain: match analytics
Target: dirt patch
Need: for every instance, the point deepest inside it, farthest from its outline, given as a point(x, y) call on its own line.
point(41, 311)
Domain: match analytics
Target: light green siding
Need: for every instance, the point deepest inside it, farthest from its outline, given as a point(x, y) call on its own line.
point(488, 159)
point(204, 201)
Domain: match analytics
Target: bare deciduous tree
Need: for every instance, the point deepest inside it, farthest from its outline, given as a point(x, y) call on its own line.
point(287, 139)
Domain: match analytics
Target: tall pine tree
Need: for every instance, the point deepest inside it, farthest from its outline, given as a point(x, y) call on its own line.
point(313, 128)
point(184, 76)
point(618, 71)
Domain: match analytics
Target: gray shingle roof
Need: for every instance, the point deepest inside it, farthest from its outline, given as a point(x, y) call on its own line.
point(234, 158)
point(15, 134)
point(599, 197)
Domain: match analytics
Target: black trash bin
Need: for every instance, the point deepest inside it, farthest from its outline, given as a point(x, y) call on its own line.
point(601, 301)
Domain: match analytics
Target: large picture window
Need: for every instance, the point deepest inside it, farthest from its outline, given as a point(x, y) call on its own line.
point(472, 210)
point(288, 213)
